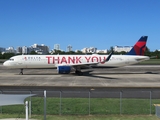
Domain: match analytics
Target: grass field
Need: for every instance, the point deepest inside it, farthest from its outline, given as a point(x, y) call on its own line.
point(84, 117)
point(78, 108)
point(150, 62)
point(102, 117)
point(81, 106)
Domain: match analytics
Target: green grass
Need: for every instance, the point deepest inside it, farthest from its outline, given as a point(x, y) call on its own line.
point(86, 117)
point(78, 109)
point(80, 106)
point(150, 62)
point(103, 117)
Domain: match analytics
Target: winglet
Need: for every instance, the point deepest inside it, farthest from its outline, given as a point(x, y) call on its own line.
point(140, 47)
point(108, 58)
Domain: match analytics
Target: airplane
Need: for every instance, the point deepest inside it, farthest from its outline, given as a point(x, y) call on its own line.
point(74, 63)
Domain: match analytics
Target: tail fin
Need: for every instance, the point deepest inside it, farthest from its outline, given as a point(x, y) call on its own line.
point(140, 47)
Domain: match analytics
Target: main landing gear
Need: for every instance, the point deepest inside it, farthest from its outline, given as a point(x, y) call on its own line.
point(78, 72)
point(21, 72)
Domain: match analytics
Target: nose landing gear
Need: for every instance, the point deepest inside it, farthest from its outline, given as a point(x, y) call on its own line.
point(21, 72)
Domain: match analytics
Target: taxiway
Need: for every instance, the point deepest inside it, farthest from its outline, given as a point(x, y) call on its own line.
point(130, 76)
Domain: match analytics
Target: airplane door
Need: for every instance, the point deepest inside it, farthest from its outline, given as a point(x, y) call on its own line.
point(22, 63)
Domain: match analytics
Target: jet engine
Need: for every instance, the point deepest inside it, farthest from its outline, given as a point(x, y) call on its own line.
point(64, 69)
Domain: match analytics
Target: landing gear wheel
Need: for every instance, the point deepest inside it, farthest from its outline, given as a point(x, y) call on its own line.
point(21, 73)
point(78, 72)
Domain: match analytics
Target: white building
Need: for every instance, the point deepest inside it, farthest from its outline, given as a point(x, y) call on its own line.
point(122, 48)
point(34, 45)
point(19, 50)
point(69, 48)
point(101, 51)
point(89, 50)
point(56, 46)
point(84, 50)
point(41, 49)
point(24, 50)
point(10, 50)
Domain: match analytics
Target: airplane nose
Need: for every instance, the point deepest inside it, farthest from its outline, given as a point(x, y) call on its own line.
point(5, 63)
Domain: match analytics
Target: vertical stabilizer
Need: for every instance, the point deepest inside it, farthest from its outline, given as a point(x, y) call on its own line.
point(140, 47)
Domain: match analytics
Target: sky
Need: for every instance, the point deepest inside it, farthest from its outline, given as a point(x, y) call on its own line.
point(79, 23)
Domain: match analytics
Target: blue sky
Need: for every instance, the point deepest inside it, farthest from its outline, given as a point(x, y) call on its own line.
point(80, 23)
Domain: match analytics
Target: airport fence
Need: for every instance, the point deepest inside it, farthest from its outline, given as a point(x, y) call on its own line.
point(86, 102)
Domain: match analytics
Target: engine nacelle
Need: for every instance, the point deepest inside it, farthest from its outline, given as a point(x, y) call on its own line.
point(64, 69)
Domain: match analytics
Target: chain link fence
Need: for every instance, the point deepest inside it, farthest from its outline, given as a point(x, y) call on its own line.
point(87, 103)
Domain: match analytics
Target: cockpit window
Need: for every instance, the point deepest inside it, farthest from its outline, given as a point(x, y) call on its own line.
point(11, 59)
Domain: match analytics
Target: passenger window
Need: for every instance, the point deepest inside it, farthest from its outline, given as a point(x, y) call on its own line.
point(11, 59)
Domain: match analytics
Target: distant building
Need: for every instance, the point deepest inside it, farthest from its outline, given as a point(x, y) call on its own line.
point(2, 49)
point(19, 50)
point(56, 46)
point(40, 49)
point(101, 51)
point(69, 48)
point(89, 50)
point(122, 48)
point(77, 51)
point(84, 50)
point(92, 50)
point(25, 50)
point(10, 50)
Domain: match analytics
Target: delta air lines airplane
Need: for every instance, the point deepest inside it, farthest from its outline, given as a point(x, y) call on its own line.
point(74, 63)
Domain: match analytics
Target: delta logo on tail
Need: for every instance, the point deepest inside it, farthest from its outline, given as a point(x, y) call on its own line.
point(140, 47)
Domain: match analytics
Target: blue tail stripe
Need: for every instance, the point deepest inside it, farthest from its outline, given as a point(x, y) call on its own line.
point(143, 38)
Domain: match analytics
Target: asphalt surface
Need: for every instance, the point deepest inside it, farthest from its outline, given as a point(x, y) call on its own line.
point(130, 76)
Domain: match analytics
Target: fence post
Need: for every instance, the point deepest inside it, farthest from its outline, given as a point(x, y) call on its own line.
point(44, 104)
point(120, 102)
point(30, 105)
point(26, 110)
point(60, 105)
point(89, 102)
